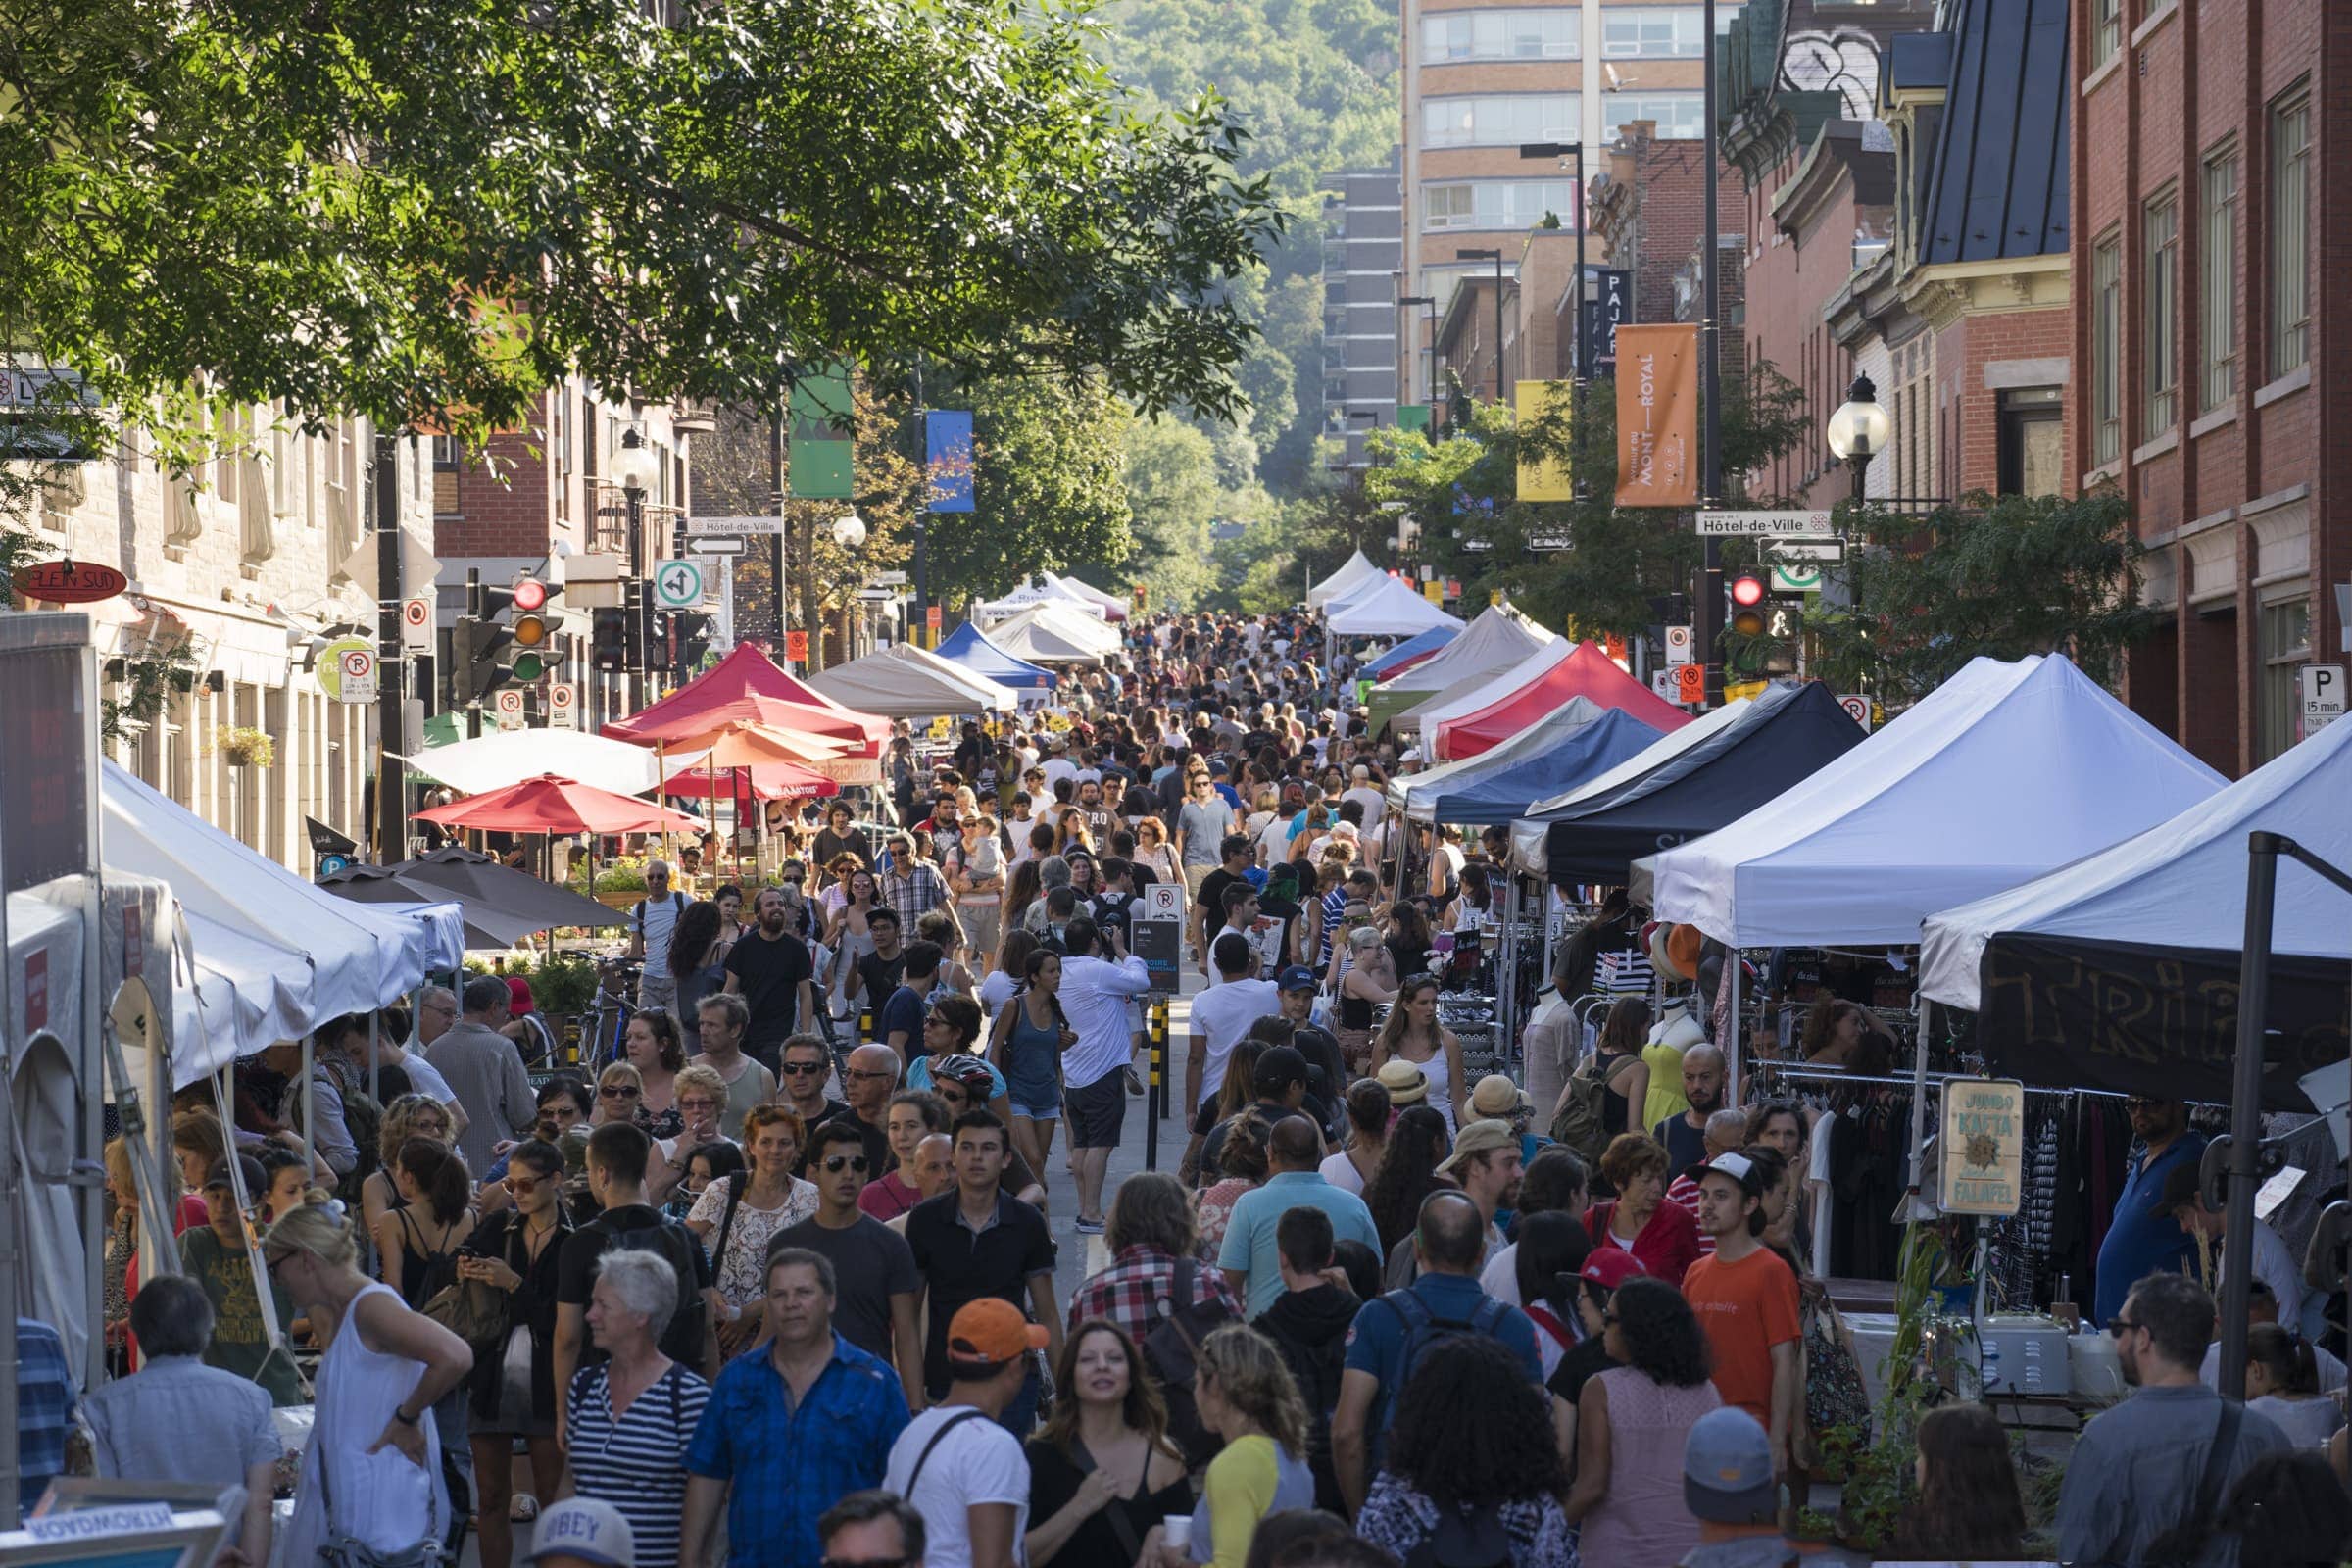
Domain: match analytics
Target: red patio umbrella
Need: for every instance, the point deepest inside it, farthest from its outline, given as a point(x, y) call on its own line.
point(551, 805)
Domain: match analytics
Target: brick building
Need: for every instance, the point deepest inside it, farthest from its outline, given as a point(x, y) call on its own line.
point(1648, 208)
point(1798, 96)
point(1958, 311)
point(2202, 235)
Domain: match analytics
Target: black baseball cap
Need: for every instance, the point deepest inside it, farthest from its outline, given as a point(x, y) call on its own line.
point(1278, 1069)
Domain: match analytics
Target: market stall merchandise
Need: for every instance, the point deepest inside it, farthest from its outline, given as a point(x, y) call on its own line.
point(2120, 971)
point(967, 645)
point(1352, 574)
point(905, 681)
point(1587, 671)
point(1783, 737)
point(2004, 772)
point(1383, 606)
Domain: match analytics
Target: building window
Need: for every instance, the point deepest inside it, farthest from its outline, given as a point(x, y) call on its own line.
point(2290, 233)
point(1680, 116)
point(1532, 34)
point(1499, 204)
point(2217, 268)
point(2029, 442)
point(2284, 627)
point(1498, 120)
point(2160, 234)
point(2106, 350)
point(1654, 33)
point(2106, 31)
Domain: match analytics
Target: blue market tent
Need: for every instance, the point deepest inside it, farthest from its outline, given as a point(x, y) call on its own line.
point(967, 646)
point(1410, 650)
point(1583, 753)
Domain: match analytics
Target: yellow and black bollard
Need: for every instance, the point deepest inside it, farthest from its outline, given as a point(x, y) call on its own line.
point(1156, 1105)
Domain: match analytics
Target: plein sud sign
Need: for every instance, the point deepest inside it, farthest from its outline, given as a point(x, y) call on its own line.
point(1983, 1146)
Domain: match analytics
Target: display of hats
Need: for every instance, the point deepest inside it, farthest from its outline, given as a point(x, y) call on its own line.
point(1684, 945)
point(1655, 939)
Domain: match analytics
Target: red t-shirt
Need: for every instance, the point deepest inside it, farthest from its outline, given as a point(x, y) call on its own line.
point(1746, 1308)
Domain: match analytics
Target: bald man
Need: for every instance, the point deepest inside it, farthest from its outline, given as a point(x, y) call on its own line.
point(934, 1171)
point(868, 1079)
point(1685, 1136)
point(1726, 1134)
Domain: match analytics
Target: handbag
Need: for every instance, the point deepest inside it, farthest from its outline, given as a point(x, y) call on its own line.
point(476, 1310)
point(1835, 1394)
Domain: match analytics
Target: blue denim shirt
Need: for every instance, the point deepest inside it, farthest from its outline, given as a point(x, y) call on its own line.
point(788, 1465)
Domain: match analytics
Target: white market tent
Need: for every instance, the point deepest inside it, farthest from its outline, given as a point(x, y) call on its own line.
point(496, 759)
point(1529, 835)
point(1497, 638)
point(903, 681)
point(1107, 605)
point(2182, 882)
point(1353, 574)
point(1419, 723)
point(1047, 590)
point(1056, 634)
point(2003, 773)
point(1382, 607)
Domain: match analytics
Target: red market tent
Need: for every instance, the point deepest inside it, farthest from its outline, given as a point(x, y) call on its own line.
point(1586, 672)
point(551, 805)
point(747, 687)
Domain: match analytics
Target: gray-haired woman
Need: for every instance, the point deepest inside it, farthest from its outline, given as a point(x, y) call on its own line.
point(628, 1421)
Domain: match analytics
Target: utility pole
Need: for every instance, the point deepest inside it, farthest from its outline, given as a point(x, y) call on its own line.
point(1709, 617)
point(391, 711)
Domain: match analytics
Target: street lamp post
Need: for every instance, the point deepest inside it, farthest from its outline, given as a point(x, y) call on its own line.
point(1496, 256)
point(849, 533)
point(1710, 358)
point(636, 465)
point(1859, 430)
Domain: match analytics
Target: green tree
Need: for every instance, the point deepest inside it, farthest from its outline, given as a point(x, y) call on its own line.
point(428, 212)
point(1998, 577)
point(1173, 494)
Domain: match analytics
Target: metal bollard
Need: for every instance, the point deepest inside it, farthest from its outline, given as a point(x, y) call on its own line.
point(1156, 1101)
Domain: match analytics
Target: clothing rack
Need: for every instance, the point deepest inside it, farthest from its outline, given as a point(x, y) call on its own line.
point(1774, 1069)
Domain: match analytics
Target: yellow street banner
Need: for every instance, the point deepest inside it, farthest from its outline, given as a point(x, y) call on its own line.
point(1547, 479)
point(1434, 591)
point(1657, 415)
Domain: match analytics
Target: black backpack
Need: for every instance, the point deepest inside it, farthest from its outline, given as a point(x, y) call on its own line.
point(1465, 1538)
point(1424, 1329)
point(682, 1341)
point(1170, 1350)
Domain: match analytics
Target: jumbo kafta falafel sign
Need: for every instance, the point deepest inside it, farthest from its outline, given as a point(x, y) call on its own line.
point(1984, 1145)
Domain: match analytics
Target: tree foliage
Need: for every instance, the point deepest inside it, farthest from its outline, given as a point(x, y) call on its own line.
point(1997, 577)
point(426, 214)
point(1048, 486)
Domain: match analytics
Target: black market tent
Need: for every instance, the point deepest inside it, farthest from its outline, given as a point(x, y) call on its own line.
point(1787, 733)
point(2120, 971)
point(466, 874)
point(485, 926)
point(1583, 753)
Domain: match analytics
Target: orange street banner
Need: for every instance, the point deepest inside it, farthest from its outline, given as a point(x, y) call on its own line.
point(1657, 415)
point(1547, 479)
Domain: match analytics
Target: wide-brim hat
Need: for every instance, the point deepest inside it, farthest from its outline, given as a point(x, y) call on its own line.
point(1406, 1084)
point(1478, 1138)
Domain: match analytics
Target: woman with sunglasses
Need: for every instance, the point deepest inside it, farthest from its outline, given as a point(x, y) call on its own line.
point(1412, 1033)
point(1633, 1424)
point(618, 1090)
point(514, 1392)
point(372, 1470)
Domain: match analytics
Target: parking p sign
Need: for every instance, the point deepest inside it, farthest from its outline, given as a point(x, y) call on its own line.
point(2323, 697)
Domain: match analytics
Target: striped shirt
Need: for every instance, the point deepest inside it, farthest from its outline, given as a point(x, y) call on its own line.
point(637, 1461)
point(1335, 909)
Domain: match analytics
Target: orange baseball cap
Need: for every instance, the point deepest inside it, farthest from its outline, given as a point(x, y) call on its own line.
point(991, 1332)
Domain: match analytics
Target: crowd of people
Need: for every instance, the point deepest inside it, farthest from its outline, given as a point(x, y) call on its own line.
point(776, 1286)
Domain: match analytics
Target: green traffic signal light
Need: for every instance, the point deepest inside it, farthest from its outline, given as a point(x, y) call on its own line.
point(527, 665)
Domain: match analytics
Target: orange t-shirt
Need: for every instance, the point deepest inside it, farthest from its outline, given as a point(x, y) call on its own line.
point(1746, 1308)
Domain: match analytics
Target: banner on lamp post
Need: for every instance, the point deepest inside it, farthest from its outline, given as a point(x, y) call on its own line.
point(819, 464)
point(1657, 415)
point(948, 457)
point(1548, 478)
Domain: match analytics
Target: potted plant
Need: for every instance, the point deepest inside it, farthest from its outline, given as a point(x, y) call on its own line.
point(621, 883)
point(244, 745)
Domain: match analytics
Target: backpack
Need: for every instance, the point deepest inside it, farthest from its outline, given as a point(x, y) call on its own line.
point(1582, 1124)
point(364, 1119)
point(683, 1339)
point(1465, 1538)
point(1170, 1348)
point(1424, 1329)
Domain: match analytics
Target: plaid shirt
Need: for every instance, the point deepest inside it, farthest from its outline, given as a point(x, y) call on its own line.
point(1138, 1279)
point(45, 1400)
point(915, 891)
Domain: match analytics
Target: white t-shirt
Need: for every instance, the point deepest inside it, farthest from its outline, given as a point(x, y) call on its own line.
point(1058, 769)
point(1222, 1016)
point(1371, 800)
point(1274, 840)
point(424, 1076)
point(977, 1462)
point(658, 919)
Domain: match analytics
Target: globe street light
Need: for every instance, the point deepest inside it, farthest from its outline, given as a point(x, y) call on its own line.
point(848, 531)
point(1860, 429)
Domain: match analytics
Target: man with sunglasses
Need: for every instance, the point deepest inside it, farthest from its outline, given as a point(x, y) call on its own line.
point(875, 1286)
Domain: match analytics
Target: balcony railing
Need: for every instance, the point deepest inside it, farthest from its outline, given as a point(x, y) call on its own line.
point(608, 523)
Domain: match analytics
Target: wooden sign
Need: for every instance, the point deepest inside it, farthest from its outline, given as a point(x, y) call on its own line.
point(69, 582)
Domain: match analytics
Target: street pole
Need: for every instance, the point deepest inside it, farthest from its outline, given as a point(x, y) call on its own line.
point(1710, 628)
point(391, 776)
point(775, 541)
point(634, 593)
point(1498, 394)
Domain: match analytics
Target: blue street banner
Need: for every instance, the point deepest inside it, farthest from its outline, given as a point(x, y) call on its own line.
point(948, 458)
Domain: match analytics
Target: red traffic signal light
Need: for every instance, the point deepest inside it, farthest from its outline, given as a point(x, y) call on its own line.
point(1747, 591)
point(529, 594)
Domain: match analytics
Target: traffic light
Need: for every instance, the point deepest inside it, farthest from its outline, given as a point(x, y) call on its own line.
point(1748, 606)
point(689, 639)
point(537, 645)
point(608, 638)
point(474, 671)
